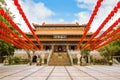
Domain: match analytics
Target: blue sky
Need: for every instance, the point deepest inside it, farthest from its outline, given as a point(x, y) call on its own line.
point(63, 11)
point(63, 8)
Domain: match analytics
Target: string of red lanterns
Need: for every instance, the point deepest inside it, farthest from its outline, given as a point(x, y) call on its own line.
point(27, 22)
point(9, 41)
point(107, 31)
point(87, 28)
point(13, 39)
point(109, 41)
point(108, 37)
point(104, 23)
point(90, 21)
point(17, 28)
point(15, 35)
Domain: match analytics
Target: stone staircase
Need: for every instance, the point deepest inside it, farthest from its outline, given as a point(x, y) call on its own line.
point(59, 60)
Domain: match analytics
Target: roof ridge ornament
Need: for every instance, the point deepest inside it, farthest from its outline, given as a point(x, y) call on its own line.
point(43, 23)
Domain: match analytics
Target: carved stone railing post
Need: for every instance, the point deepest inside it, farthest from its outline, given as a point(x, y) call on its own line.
point(50, 54)
point(69, 54)
point(42, 57)
point(78, 59)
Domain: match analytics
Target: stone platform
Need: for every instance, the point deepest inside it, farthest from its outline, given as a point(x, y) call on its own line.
point(92, 72)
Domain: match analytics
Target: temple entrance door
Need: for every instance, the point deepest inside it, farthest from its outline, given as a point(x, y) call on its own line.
point(59, 48)
point(34, 58)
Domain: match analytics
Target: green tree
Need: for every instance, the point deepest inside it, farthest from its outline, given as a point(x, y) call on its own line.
point(109, 50)
point(85, 54)
point(6, 48)
point(112, 48)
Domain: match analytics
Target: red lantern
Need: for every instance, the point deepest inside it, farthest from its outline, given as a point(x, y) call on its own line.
point(27, 22)
point(90, 21)
point(9, 41)
point(17, 28)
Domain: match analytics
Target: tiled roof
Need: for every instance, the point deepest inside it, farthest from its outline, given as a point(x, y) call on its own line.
point(60, 33)
point(58, 25)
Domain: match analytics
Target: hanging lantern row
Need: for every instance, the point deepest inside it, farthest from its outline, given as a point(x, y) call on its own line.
point(104, 23)
point(108, 37)
point(14, 40)
point(27, 22)
point(109, 41)
point(17, 28)
point(11, 42)
point(90, 21)
point(15, 35)
point(107, 31)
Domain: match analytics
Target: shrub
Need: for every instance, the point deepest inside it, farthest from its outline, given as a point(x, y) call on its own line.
point(100, 61)
point(16, 60)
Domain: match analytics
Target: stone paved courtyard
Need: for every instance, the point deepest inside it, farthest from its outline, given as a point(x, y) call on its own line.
point(26, 72)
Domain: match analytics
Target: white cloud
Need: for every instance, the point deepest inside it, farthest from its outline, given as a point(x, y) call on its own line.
point(87, 1)
point(106, 2)
point(35, 12)
point(82, 17)
point(15, 12)
point(86, 4)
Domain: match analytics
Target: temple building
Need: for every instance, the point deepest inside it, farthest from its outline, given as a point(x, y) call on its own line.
point(59, 41)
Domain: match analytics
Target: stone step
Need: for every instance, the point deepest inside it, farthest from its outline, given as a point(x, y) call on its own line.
point(57, 60)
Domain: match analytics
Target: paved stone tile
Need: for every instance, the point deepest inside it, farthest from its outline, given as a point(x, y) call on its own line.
point(98, 74)
point(83, 78)
point(79, 74)
point(59, 71)
point(107, 78)
point(11, 78)
point(17, 72)
point(20, 74)
point(35, 78)
point(59, 75)
point(59, 78)
point(40, 75)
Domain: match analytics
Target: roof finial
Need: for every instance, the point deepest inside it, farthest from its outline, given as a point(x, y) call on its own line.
point(43, 23)
point(77, 23)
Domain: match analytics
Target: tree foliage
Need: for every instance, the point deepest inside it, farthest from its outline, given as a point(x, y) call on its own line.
point(85, 53)
point(6, 48)
point(111, 49)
